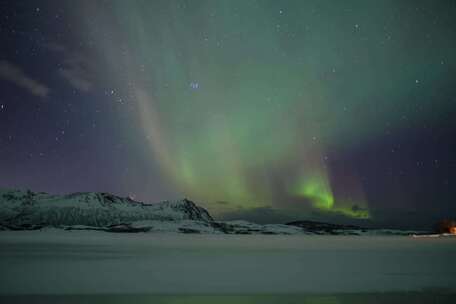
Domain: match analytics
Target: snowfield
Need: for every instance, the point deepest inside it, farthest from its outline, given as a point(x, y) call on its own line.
point(102, 244)
point(55, 261)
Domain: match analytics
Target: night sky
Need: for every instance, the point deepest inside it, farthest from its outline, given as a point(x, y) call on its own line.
point(260, 110)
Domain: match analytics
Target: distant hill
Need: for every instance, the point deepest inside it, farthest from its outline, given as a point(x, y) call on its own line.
point(324, 228)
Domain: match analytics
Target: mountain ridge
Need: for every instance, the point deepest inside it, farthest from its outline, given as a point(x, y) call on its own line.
point(89, 208)
point(27, 210)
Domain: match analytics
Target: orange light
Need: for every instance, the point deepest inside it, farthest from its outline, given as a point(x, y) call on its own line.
point(453, 229)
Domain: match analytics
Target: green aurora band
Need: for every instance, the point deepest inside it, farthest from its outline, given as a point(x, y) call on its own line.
point(241, 101)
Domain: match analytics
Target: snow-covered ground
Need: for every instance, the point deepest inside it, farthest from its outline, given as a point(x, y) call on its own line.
point(54, 261)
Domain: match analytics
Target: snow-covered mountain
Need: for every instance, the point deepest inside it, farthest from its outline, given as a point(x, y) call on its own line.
point(28, 209)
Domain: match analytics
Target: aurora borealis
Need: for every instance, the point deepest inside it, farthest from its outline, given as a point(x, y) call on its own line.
point(266, 110)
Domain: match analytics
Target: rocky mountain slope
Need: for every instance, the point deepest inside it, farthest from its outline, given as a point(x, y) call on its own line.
point(26, 210)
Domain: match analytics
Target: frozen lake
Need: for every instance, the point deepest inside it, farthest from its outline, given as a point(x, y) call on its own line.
point(56, 262)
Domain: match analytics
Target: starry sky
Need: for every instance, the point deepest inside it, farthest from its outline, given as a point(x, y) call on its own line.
point(267, 111)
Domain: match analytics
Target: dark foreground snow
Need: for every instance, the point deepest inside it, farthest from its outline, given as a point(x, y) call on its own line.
point(53, 261)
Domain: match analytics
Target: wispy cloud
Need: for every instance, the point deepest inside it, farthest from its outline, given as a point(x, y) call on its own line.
point(75, 68)
point(12, 73)
point(75, 71)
